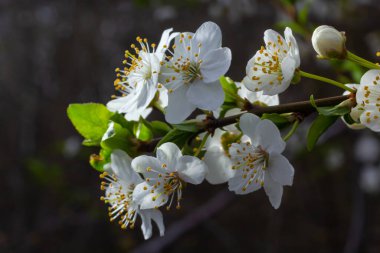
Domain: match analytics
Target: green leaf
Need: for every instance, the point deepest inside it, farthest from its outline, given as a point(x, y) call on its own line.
point(120, 119)
point(142, 130)
point(229, 88)
point(279, 120)
point(90, 120)
point(319, 126)
point(176, 136)
point(98, 161)
point(338, 110)
point(188, 126)
point(160, 128)
point(118, 137)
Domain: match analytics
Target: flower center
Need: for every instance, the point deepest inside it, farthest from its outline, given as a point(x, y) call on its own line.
point(169, 184)
point(119, 196)
point(252, 162)
point(137, 67)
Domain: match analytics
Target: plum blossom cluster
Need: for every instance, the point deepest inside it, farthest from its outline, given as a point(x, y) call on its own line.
point(236, 137)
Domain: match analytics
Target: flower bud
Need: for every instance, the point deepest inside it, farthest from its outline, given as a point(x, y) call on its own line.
point(329, 42)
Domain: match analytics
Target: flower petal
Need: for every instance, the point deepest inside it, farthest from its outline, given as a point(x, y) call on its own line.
point(371, 118)
point(237, 184)
point(146, 224)
point(369, 77)
point(191, 169)
point(268, 136)
point(149, 197)
point(141, 163)
point(169, 154)
point(179, 107)
point(121, 166)
point(293, 46)
point(248, 124)
point(219, 166)
point(280, 169)
point(215, 64)
point(274, 191)
point(209, 36)
point(156, 216)
point(205, 96)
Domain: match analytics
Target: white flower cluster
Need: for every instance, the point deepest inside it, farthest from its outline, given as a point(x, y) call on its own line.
point(182, 74)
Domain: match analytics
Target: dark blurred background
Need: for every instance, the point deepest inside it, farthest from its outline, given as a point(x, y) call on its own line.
point(53, 53)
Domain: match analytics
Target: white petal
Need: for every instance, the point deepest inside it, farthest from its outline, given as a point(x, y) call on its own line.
point(268, 136)
point(273, 190)
point(371, 118)
point(143, 196)
point(115, 104)
point(165, 40)
point(369, 77)
point(215, 64)
point(121, 166)
point(248, 124)
point(169, 154)
point(219, 166)
point(191, 169)
point(179, 107)
point(237, 183)
point(146, 224)
point(294, 51)
point(206, 96)
point(141, 163)
point(280, 169)
point(156, 216)
point(209, 36)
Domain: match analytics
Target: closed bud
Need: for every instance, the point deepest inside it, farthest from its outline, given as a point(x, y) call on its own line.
point(328, 42)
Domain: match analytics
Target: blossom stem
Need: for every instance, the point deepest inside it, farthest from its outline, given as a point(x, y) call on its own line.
point(292, 130)
point(361, 61)
point(326, 80)
point(158, 107)
point(199, 149)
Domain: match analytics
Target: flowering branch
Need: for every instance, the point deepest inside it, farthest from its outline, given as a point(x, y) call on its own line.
point(302, 107)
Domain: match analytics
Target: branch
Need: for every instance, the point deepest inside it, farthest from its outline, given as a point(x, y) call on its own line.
point(303, 108)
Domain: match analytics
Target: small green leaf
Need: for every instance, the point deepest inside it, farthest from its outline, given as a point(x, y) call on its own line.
point(176, 136)
point(90, 120)
point(188, 126)
point(338, 110)
point(142, 130)
point(319, 126)
point(120, 119)
point(118, 137)
point(279, 120)
point(160, 128)
point(229, 88)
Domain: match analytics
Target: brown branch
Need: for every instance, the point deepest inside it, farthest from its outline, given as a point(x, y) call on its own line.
point(303, 108)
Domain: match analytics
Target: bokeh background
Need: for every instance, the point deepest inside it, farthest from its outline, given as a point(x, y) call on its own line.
point(53, 53)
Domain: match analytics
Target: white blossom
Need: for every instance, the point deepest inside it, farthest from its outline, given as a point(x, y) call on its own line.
point(165, 176)
point(216, 157)
point(272, 68)
point(368, 100)
point(328, 42)
point(119, 183)
point(138, 80)
point(192, 72)
point(257, 160)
